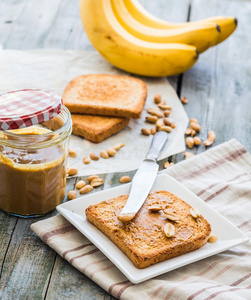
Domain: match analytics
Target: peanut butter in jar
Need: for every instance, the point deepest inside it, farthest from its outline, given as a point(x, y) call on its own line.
point(33, 166)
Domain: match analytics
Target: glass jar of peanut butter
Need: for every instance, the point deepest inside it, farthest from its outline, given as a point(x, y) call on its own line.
point(33, 162)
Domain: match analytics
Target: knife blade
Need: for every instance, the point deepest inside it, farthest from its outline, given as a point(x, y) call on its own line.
point(144, 178)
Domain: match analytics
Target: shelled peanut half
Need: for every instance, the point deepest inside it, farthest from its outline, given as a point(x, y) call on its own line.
point(94, 180)
point(108, 153)
point(193, 140)
point(158, 117)
point(85, 187)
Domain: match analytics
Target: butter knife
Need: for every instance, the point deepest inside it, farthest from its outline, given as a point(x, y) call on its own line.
point(143, 179)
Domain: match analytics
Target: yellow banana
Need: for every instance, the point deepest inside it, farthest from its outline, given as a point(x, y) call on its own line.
point(144, 17)
point(227, 24)
point(201, 35)
point(128, 52)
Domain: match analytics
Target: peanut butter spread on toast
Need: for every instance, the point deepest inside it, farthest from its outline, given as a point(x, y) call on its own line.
point(143, 239)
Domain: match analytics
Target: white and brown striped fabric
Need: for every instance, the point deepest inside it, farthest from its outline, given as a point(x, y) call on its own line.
point(222, 178)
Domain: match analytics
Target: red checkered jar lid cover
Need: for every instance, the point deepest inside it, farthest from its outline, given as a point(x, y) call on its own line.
point(27, 107)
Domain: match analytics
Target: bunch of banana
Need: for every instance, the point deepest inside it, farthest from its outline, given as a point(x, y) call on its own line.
point(133, 40)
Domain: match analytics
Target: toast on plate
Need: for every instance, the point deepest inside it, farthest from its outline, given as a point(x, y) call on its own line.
point(106, 95)
point(143, 239)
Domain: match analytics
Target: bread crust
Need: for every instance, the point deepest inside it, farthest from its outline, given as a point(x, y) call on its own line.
point(143, 239)
point(106, 95)
point(96, 128)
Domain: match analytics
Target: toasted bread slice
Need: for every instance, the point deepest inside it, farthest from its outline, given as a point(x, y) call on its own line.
point(96, 128)
point(106, 95)
point(143, 239)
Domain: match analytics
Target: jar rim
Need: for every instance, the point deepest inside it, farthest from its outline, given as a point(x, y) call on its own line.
point(58, 135)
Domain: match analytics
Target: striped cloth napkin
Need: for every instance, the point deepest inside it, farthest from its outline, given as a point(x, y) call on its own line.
point(221, 177)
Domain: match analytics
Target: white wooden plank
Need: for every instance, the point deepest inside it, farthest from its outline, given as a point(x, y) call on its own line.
point(67, 283)
point(31, 22)
point(218, 86)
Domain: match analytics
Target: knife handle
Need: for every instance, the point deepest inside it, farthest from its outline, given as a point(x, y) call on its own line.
point(158, 142)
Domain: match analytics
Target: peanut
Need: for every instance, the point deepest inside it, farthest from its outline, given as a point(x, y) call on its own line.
point(94, 156)
point(151, 119)
point(155, 208)
point(188, 131)
point(118, 146)
point(169, 230)
point(165, 128)
point(194, 212)
point(197, 141)
point(86, 160)
point(159, 124)
point(193, 132)
point(72, 171)
point(125, 179)
point(111, 151)
point(80, 184)
point(153, 130)
point(211, 135)
point(195, 126)
point(184, 100)
point(72, 195)
point(86, 189)
point(157, 98)
point(210, 139)
point(188, 154)
point(173, 125)
point(72, 153)
point(167, 121)
point(189, 142)
point(167, 164)
point(164, 107)
point(167, 113)
point(124, 218)
point(213, 238)
point(104, 154)
point(155, 112)
point(97, 182)
point(145, 131)
point(90, 178)
point(170, 215)
point(193, 120)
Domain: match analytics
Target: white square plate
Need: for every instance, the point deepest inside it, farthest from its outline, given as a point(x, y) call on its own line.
point(228, 234)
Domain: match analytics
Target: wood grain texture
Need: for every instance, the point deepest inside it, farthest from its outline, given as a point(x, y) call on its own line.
point(171, 11)
point(7, 226)
point(218, 86)
point(31, 22)
point(67, 31)
point(225, 87)
point(27, 264)
point(66, 282)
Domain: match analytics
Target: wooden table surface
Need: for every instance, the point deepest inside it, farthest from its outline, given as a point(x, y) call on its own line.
point(219, 94)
